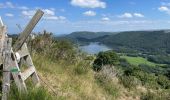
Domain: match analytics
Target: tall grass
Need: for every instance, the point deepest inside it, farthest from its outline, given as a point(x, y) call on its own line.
point(108, 85)
point(39, 93)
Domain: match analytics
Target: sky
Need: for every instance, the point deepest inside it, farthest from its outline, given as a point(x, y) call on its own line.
point(66, 16)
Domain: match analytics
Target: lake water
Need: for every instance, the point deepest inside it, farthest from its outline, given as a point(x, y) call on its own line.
point(94, 48)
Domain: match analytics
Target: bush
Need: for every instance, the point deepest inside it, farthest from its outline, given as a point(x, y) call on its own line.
point(163, 82)
point(158, 95)
point(55, 50)
point(105, 58)
point(129, 82)
point(81, 68)
point(124, 63)
point(107, 84)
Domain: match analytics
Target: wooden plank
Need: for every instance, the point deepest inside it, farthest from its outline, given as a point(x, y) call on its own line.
point(28, 61)
point(23, 51)
point(1, 22)
point(2, 39)
point(35, 79)
point(24, 35)
point(17, 76)
point(27, 73)
point(6, 68)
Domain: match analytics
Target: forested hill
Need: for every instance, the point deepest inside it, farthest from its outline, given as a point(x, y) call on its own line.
point(88, 35)
point(148, 41)
point(140, 40)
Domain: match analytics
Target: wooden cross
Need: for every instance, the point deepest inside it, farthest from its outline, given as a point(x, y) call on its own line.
point(11, 57)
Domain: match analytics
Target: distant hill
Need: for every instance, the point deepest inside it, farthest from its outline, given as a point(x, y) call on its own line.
point(150, 41)
point(85, 37)
point(147, 41)
point(89, 35)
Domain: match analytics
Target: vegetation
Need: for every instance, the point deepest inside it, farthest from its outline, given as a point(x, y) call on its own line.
point(153, 42)
point(160, 59)
point(105, 58)
point(107, 84)
point(74, 75)
point(33, 94)
point(138, 60)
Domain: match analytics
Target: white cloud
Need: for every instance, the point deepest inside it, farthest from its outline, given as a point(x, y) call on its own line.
point(164, 9)
point(90, 13)
point(131, 15)
point(23, 8)
point(55, 18)
point(88, 3)
point(62, 17)
point(105, 19)
point(48, 14)
point(13, 6)
point(138, 15)
point(51, 18)
point(7, 5)
point(126, 15)
point(28, 13)
point(9, 15)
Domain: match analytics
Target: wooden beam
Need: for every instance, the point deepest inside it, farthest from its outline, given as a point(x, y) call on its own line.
point(27, 73)
point(24, 35)
point(6, 68)
point(2, 39)
point(1, 22)
point(23, 51)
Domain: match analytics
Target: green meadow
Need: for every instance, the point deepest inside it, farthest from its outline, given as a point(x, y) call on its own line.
point(139, 60)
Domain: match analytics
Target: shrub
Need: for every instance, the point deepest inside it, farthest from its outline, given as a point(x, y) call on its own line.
point(157, 95)
point(124, 63)
point(81, 68)
point(163, 82)
point(56, 50)
point(129, 82)
point(105, 58)
point(107, 84)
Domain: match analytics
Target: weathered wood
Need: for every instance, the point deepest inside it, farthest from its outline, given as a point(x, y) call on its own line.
point(24, 35)
point(1, 22)
point(6, 68)
point(34, 76)
point(23, 51)
point(9, 60)
point(20, 77)
point(28, 72)
point(17, 75)
point(2, 39)
point(29, 63)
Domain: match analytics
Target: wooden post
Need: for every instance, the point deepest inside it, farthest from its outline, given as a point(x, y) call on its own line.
point(24, 35)
point(2, 38)
point(6, 68)
point(9, 61)
point(1, 22)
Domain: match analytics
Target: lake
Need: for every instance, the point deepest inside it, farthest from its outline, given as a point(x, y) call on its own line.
point(94, 48)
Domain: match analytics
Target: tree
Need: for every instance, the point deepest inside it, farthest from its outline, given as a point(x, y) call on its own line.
point(105, 58)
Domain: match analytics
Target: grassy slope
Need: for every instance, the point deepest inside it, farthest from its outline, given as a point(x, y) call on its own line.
point(71, 86)
point(66, 83)
point(139, 60)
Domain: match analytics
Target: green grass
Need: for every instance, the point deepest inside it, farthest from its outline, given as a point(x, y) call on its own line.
point(139, 60)
point(33, 94)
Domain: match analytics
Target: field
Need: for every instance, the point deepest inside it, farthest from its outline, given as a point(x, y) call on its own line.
point(139, 60)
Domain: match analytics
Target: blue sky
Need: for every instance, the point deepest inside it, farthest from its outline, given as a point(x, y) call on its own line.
point(66, 16)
